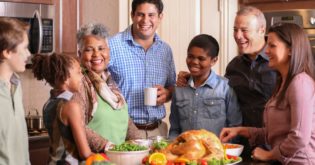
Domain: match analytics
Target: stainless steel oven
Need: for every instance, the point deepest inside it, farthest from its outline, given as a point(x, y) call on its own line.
point(303, 17)
point(40, 17)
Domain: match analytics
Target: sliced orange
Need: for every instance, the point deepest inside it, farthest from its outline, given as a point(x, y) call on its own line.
point(99, 157)
point(182, 160)
point(224, 149)
point(158, 158)
point(94, 158)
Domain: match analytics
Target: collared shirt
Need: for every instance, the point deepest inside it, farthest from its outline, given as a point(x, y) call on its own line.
point(253, 82)
point(135, 69)
point(211, 106)
point(13, 130)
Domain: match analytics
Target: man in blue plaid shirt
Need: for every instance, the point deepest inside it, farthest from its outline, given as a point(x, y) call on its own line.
point(140, 59)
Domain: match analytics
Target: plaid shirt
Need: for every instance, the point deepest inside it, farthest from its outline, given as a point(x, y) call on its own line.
point(134, 69)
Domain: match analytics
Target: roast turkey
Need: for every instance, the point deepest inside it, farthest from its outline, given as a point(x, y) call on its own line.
point(195, 145)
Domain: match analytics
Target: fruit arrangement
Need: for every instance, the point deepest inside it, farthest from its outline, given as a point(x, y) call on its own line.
point(158, 158)
point(194, 147)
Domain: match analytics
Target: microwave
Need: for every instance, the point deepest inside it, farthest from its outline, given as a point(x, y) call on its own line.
point(40, 18)
point(305, 18)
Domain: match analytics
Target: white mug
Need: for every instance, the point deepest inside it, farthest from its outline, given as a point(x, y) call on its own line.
point(150, 96)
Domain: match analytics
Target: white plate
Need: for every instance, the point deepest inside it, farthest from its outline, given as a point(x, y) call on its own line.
point(239, 161)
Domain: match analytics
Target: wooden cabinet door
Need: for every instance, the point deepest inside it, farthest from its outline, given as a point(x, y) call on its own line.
point(269, 5)
point(250, 2)
point(39, 149)
point(247, 2)
point(67, 18)
point(69, 26)
point(48, 2)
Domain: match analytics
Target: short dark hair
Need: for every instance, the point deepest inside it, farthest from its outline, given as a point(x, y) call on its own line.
point(135, 3)
point(11, 34)
point(207, 43)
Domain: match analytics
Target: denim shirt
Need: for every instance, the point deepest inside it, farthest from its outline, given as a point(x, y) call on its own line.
point(211, 106)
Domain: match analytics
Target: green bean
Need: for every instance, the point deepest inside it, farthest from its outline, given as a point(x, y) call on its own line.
point(160, 145)
point(128, 147)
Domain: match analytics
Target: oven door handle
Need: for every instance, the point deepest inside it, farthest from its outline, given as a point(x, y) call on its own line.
point(38, 19)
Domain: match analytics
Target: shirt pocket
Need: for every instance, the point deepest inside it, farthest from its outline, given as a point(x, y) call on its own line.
point(213, 108)
point(183, 107)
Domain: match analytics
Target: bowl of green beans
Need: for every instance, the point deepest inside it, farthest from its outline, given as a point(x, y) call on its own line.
point(127, 153)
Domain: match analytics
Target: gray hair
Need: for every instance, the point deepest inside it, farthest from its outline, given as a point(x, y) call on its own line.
point(98, 30)
point(250, 10)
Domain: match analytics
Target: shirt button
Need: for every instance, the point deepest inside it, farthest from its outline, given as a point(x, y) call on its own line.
point(212, 102)
point(195, 112)
point(196, 94)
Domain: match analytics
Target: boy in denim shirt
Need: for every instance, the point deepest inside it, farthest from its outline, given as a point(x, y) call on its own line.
point(208, 102)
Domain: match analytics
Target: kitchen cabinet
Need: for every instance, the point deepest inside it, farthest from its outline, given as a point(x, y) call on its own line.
point(67, 22)
point(67, 19)
point(39, 149)
point(48, 2)
point(269, 5)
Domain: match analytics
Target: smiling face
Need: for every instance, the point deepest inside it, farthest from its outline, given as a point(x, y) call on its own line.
point(199, 63)
point(75, 78)
point(248, 36)
point(278, 52)
point(18, 57)
point(146, 20)
point(94, 54)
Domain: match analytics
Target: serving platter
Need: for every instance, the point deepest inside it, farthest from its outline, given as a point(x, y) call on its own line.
point(239, 161)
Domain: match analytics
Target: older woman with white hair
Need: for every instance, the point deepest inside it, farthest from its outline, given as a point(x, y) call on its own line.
point(106, 112)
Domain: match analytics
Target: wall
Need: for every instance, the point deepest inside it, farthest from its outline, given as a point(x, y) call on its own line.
point(101, 11)
point(190, 18)
point(35, 93)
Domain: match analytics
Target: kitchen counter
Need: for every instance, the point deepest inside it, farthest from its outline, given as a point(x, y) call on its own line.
point(39, 149)
point(255, 162)
point(42, 137)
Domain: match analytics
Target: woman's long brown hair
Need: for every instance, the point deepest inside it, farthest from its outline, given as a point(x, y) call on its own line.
point(301, 59)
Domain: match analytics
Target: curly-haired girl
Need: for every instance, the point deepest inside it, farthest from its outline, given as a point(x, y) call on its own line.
point(62, 115)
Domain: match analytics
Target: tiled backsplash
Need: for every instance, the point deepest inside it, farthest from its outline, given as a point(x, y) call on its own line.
point(35, 93)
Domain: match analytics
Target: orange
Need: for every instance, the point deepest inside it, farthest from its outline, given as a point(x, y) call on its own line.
point(157, 158)
point(224, 149)
point(94, 158)
point(182, 160)
point(98, 157)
